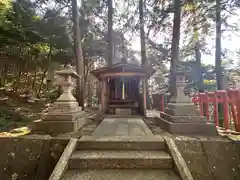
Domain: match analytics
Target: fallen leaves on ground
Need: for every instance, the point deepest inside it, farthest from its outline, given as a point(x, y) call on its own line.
point(233, 135)
point(16, 132)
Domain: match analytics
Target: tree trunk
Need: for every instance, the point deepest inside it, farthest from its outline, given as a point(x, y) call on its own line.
point(197, 48)
point(218, 60)
point(90, 87)
point(142, 33)
point(78, 55)
point(4, 73)
point(218, 51)
point(18, 78)
point(144, 61)
point(110, 32)
point(199, 68)
point(175, 47)
point(34, 80)
point(41, 83)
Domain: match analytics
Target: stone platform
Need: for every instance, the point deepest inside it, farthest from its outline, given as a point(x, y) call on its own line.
point(188, 128)
point(122, 127)
point(63, 126)
point(183, 125)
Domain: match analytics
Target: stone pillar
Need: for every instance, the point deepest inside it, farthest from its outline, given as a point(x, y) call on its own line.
point(181, 116)
point(65, 114)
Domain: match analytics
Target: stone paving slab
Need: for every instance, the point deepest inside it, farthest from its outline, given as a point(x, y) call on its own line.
point(154, 138)
point(121, 174)
point(121, 143)
point(120, 154)
point(122, 127)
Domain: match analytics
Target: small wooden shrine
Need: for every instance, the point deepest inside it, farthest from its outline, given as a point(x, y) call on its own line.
point(123, 88)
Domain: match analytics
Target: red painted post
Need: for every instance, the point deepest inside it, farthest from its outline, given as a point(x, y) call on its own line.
point(233, 98)
point(216, 116)
point(162, 103)
point(204, 105)
point(219, 99)
point(213, 100)
point(234, 95)
point(207, 107)
point(224, 99)
point(201, 100)
point(226, 111)
point(238, 111)
point(195, 99)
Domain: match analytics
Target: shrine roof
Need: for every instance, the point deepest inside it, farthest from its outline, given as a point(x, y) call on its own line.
point(123, 68)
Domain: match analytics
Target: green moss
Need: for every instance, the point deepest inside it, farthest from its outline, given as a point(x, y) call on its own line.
point(10, 118)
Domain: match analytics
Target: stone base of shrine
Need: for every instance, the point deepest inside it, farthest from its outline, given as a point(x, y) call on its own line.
point(183, 119)
point(58, 127)
point(123, 111)
point(188, 127)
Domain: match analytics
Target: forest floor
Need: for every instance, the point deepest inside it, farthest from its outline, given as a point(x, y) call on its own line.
point(17, 112)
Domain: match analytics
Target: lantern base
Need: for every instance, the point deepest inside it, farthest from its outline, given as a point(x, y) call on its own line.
point(181, 109)
point(59, 127)
point(183, 118)
point(63, 116)
point(188, 128)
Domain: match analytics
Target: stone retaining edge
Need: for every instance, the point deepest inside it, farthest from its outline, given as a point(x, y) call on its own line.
point(179, 162)
point(62, 164)
point(145, 127)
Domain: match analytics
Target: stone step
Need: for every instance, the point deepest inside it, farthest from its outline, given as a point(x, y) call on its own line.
point(120, 159)
point(121, 143)
point(121, 174)
point(89, 128)
point(122, 116)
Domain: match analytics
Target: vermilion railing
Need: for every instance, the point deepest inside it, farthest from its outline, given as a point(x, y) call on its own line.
point(208, 104)
point(230, 100)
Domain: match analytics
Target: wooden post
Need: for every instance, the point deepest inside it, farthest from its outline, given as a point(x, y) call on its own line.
point(123, 89)
point(144, 92)
point(103, 95)
point(98, 91)
point(89, 93)
point(162, 103)
point(116, 90)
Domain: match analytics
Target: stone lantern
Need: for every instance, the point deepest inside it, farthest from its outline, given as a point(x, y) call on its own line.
point(181, 116)
point(64, 115)
point(180, 85)
point(66, 105)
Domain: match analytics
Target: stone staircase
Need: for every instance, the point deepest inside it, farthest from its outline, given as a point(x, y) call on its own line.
point(121, 158)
